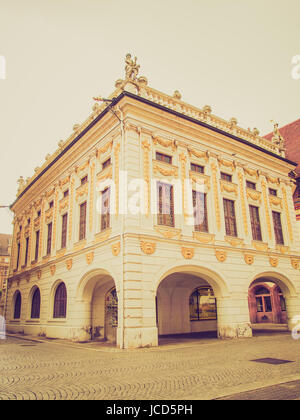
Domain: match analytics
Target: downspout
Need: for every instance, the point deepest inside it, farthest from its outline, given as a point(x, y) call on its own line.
point(122, 251)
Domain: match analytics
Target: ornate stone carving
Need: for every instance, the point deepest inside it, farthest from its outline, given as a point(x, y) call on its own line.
point(273, 261)
point(168, 233)
point(131, 68)
point(165, 171)
point(234, 241)
point(249, 259)
point(39, 274)
point(148, 247)
point(204, 238)
point(295, 262)
point(188, 253)
point(69, 263)
point(216, 196)
point(115, 248)
point(221, 255)
point(89, 257)
point(52, 269)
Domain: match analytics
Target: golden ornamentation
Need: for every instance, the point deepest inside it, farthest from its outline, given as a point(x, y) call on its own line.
point(287, 213)
point(165, 143)
point(199, 155)
point(273, 261)
point(182, 159)
point(276, 201)
point(187, 253)
point(234, 241)
point(200, 179)
point(64, 182)
point(168, 233)
point(163, 171)
point(69, 263)
point(115, 249)
point(229, 187)
point(221, 255)
point(63, 204)
point(253, 194)
point(39, 274)
point(283, 249)
point(260, 246)
point(204, 238)
point(227, 164)
point(89, 257)
point(295, 263)
point(148, 247)
point(82, 192)
point(48, 215)
point(104, 149)
point(273, 180)
point(249, 259)
point(251, 172)
point(263, 185)
point(216, 195)
point(52, 269)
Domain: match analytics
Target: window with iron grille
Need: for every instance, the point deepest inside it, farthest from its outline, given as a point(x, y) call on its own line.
point(37, 240)
point(200, 211)
point(230, 219)
point(36, 304)
point(255, 223)
point(165, 202)
point(277, 228)
point(105, 209)
point(49, 238)
point(82, 221)
point(60, 302)
point(163, 158)
point(197, 168)
point(64, 226)
point(17, 308)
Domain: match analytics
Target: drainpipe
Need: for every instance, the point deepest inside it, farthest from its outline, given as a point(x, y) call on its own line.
point(122, 251)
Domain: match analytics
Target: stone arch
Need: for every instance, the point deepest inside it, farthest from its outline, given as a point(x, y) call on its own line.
point(287, 287)
point(214, 279)
point(30, 297)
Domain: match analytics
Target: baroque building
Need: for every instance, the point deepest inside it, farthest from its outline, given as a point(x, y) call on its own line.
point(153, 218)
point(5, 247)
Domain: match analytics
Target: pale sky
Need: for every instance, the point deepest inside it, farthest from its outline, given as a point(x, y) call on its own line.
point(234, 55)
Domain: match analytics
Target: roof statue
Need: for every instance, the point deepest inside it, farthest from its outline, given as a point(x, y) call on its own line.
point(277, 137)
point(131, 68)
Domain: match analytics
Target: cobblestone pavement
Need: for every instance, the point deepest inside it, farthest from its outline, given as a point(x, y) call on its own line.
point(196, 370)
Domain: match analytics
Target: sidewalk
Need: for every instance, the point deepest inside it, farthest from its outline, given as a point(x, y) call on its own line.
point(192, 369)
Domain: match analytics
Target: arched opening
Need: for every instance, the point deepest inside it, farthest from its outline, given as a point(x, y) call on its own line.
point(17, 305)
point(35, 303)
point(187, 300)
point(267, 299)
point(97, 292)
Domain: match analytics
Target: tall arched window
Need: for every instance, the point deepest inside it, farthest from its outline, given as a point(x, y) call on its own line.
point(17, 308)
point(60, 301)
point(203, 304)
point(36, 304)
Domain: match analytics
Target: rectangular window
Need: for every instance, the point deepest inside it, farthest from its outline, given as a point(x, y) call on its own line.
point(197, 168)
point(37, 241)
point(226, 177)
point(251, 185)
point(51, 204)
point(106, 163)
point(26, 250)
point(66, 193)
point(230, 219)
point(82, 221)
point(105, 209)
point(64, 226)
point(200, 211)
point(18, 255)
point(277, 228)
point(273, 192)
point(84, 180)
point(255, 223)
point(49, 238)
point(163, 158)
point(165, 201)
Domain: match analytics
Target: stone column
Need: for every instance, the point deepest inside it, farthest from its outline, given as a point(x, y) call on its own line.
point(233, 317)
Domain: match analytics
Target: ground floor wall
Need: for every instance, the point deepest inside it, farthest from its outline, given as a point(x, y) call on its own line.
point(153, 283)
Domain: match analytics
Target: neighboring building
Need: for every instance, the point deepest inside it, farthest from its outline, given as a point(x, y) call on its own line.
point(291, 136)
point(154, 217)
point(5, 242)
